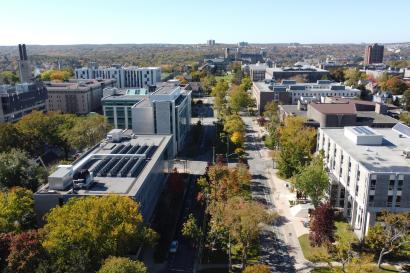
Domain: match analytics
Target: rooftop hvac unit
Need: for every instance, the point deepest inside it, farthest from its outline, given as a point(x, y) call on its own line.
point(406, 153)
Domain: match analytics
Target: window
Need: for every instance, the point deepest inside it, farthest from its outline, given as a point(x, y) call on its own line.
point(398, 200)
point(389, 200)
point(391, 185)
point(373, 184)
point(357, 189)
point(400, 185)
point(371, 200)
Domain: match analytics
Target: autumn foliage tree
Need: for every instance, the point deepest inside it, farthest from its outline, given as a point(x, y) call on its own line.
point(257, 268)
point(297, 143)
point(390, 235)
point(83, 232)
point(25, 252)
point(122, 265)
point(322, 225)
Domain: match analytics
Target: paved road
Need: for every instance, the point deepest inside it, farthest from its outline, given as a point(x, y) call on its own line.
point(274, 250)
point(183, 260)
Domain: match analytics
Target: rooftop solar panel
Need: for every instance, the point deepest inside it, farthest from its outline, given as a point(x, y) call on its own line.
point(402, 129)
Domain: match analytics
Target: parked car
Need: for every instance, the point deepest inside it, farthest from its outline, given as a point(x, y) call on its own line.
point(174, 246)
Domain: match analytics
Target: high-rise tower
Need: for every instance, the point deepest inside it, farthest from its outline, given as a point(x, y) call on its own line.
point(24, 65)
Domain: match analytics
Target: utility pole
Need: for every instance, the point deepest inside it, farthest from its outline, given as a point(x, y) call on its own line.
point(213, 154)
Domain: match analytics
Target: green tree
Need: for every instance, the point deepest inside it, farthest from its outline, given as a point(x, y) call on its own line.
point(313, 180)
point(257, 268)
point(243, 221)
point(219, 92)
point(8, 77)
point(239, 99)
point(337, 74)
point(353, 75)
point(10, 137)
point(122, 265)
point(390, 234)
point(234, 123)
point(83, 232)
point(191, 230)
point(87, 131)
point(246, 83)
point(406, 99)
point(297, 143)
point(405, 118)
point(16, 210)
point(16, 169)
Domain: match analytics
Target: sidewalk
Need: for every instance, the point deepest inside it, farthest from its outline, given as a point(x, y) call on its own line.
point(292, 227)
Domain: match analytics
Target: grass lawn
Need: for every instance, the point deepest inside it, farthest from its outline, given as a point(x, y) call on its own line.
point(227, 77)
point(310, 252)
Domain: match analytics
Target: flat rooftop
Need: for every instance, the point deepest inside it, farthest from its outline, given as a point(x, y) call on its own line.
point(293, 109)
point(334, 108)
point(375, 117)
point(119, 168)
point(387, 157)
point(166, 88)
point(74, 85)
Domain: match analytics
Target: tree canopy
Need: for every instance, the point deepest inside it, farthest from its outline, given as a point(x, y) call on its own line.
point(297, 143)
point(16, 210)
point(313, 180)
point(122, 265)
point(83, 232)
point(16, 169)
point(56, 75)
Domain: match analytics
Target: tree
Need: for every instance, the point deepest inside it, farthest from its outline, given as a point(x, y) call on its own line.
point(219, 92)
point(337, 74)
point(234, 123)
point(353, 75)
point(396, 85)
point(56, 75)
point(83, 232)
point(242, 219)
point(239, 98)
point(87, 131)
point(297, 143)
point(257, 268)
point(406, 99)
point(246, 83)
point(16, 210)
point(405, 117)
point(16, 169)
point(191, 230)
point(272, 113)
point(8, 77)
point(322, 225)
point(25, 252)
point(9, 137)
point(122, 265)
point(313, 180)
point(390, 234)
point(342, 251)
point(237, 138)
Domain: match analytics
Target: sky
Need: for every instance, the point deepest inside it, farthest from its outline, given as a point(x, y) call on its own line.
point(189, 22)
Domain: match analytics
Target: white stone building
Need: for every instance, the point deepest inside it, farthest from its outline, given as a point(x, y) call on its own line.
point(369, 171)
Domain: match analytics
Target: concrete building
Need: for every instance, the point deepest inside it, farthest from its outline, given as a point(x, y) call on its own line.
point(117, 105)
point(373, 54)
point(132, 76)
point(340, 112)
point(369, 170)
point(257, 71)
point(21, 99)
point(243, 44)
point(290, 92)
point(165, 111)
point(76, 96)
point(25, 74)
point(306, 72)
point(123, 164)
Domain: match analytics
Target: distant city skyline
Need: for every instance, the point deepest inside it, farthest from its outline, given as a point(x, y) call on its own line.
point(194, 22)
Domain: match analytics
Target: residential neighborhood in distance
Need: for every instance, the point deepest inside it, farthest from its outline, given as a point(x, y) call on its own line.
point(204, 137)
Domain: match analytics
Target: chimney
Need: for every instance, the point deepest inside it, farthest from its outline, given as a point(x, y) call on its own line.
point(381, 108)
point(24, 52)
point(20, 53)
